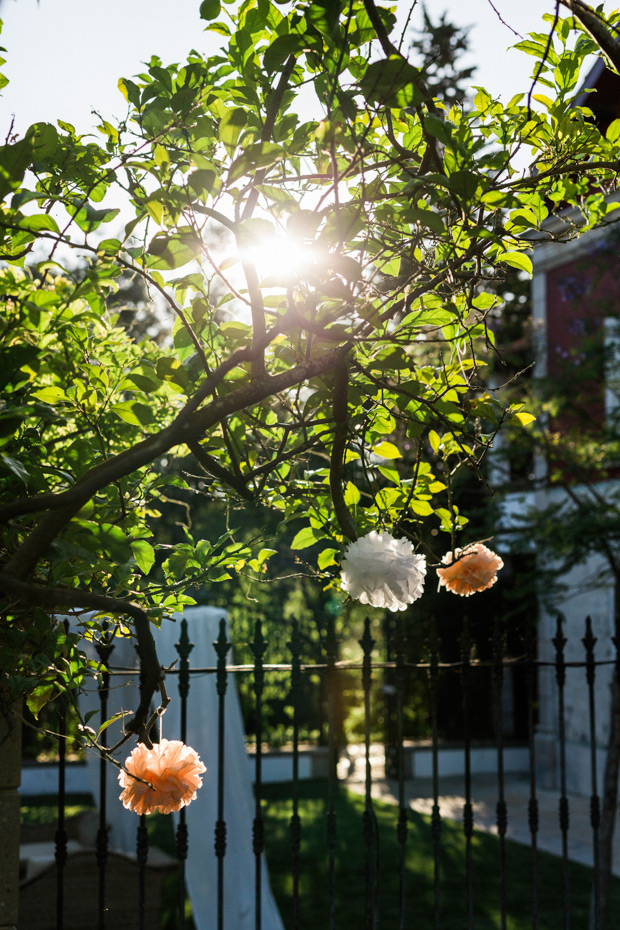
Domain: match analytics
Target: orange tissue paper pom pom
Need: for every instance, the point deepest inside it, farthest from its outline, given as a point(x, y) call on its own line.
point(171, 771)
point(473, 569)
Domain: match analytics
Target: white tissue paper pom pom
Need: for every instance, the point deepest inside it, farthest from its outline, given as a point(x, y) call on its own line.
point(383, 572)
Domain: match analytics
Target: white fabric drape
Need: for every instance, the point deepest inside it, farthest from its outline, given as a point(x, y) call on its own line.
point(201, 814)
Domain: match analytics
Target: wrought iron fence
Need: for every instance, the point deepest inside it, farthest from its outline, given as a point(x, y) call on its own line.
point(429, 671)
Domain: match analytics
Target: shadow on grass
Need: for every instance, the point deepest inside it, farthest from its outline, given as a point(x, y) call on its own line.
point(350, 868)
point(350, 879)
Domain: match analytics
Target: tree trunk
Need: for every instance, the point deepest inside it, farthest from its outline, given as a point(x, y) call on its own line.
point(10, 775)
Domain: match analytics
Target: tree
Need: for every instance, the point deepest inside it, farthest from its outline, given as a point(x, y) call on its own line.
point(439, 47)
point(404, 214)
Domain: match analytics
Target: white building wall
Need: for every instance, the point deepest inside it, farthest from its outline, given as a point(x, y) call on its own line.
point(588, 591)
point(584, 598)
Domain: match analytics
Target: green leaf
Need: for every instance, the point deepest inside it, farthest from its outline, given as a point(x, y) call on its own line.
point(327, 557)
point(50, 395)
point(202, 182)
point(89, 219)
point(232, 124)
point(39, 222)
point(170, 369)
point(389, 472)
point(130, 91)
point(346, 266)
point(258, 155)
point(439, 129)
point(434, 440)
point(16, 467)
point(567, 71)
point(210, 9)
point(323, 15)
point(131, 411)
point(613, 131)
point(427, 218)
point(280, 49)
point(255, 232)
point(38, 698)
point(351, 495)
point(387, 450)
point(422, 508)
point(482, 99)
point(144, 377)
point(516, 260)
point(392, 82)
point(102, 539)
point(14, 159)
point(387, 497)
point(173, 251)
point(485, 301)
point(118, 716)
point(44, 138)
point(307, 537)
point(109, 246)
point(144, 554)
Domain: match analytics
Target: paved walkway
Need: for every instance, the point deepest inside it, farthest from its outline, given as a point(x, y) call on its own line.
point(419, 796)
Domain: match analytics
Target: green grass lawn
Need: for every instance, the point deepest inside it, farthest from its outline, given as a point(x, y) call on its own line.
point(350, 869)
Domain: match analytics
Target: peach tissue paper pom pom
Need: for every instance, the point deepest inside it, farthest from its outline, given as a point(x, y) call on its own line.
point(381, 571)
point(474, 569)
point(172, 771)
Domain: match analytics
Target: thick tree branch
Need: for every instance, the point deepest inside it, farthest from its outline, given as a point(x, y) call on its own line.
point(257, 310)
point(130, 460)
point(55, 599)
point(597, 29)
point(189, 424)
point(340, 410)
point(256, 298)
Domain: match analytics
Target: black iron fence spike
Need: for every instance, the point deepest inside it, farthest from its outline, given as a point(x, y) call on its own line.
point(142, 853)
point(582, 660)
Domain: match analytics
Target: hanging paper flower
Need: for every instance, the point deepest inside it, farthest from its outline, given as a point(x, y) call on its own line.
point(170, 774)
point(473, 569)
point(383, 572)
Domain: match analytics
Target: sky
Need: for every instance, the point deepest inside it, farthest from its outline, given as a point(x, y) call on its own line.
point(64, 57)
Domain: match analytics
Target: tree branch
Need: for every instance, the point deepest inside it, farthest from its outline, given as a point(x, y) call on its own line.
point(275, 101)
point(173, 306)
point(597, 29)
point(340, 410)
point(189, 424)
point(213, 467)
point(55, 599)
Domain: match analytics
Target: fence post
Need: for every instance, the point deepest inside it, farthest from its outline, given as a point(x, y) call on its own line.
point(559, 641)
point(10, 777)
point(295, 822)
point(183, 648)
point(221, 646)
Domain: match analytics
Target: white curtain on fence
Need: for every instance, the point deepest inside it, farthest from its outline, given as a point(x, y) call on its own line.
point(201, 814)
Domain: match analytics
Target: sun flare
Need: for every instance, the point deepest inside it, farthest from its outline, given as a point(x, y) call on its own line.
point(282, 259)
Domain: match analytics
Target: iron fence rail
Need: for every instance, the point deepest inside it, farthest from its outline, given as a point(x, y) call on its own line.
point(401, 668)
